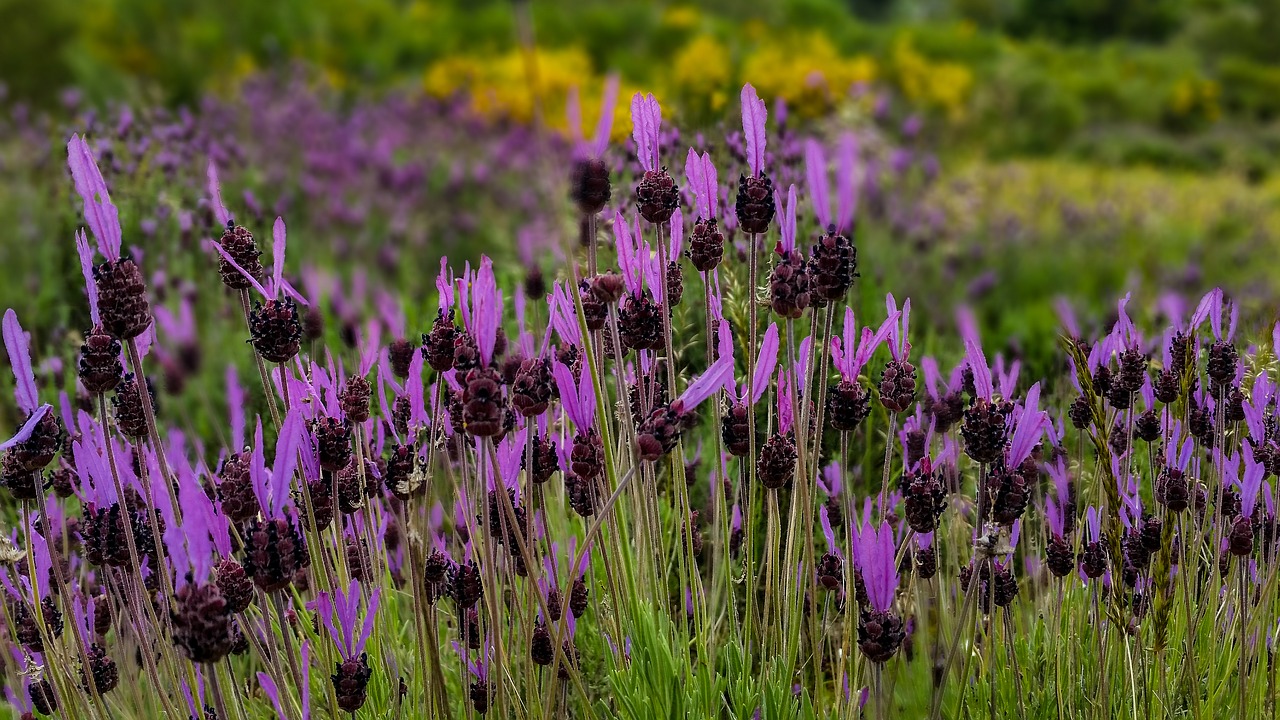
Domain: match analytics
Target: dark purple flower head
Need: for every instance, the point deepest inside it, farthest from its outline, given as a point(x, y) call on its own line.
point(277, 287)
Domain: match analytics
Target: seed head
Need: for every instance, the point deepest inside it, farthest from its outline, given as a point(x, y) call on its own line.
point(777, 463)
point(880, 634)
point(706, 245)
point(234, 584)
point(275, 330)
point(274, 551)
point(789, 284)
point(351, 682)
point(201, 623)
point(589, 185)
point(238, 243)
point(122, 298)
point(657, 196)
point(898, 385)
point(754, 205)
point(100, 366)
point(101, 669)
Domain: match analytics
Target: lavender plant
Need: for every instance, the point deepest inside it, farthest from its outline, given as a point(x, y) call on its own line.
point(579, 495)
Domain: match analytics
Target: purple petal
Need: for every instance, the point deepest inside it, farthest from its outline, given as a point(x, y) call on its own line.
point(215, 196)
point(586, 396)
point(86, 268)
point(18, 345)
point(754, 116)
point(1206, 306)
point(444, 285)
point(235, 408)
point(256, 285)
point(27, 428)
point(99, 213)
point(709, 383)
point(677, 236)
point(277, 255)
point(604, 126)
point(765, 363)
point(827, 531)
point(286, 458)
point(788, 215)
point(815, 167)
point(568, 390)
point(847, 181)
point(981, 372)
point(646, 119)
point(1029, 428)
point(486, 309)
point(370, 614)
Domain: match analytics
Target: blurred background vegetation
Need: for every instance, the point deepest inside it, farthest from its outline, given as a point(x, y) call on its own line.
point(1186, 84)
point(1079, 148)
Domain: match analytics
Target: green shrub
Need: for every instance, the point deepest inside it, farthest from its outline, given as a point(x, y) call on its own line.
point(1249, 88)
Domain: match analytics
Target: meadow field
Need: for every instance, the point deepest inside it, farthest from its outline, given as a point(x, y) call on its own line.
point(522, 359)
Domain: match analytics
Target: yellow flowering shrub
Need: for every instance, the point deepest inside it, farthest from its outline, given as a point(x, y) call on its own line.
point(501, 87)
point(807, 71)
point(681, 17)
point(1193, 101)
point(944, 86)
point(701, 74)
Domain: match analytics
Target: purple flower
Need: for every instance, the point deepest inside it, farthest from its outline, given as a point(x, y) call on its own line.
point(99, 212)
point(879, 571)
point(1250, 482)
point(787, 213)
point(215, 195)
point(646, 121)
point(86, 268)
point(754, 116)
point(1093, 523)
point(700, 172)
point(899, 345)
point(849, 353)
point(18, 345)
point(815, 169)
point(338, 612)
point(486, 309)
point(719, 375)
point(1029, 424)
point(633, 255)
point(847, 181)
point(766, 362)
point(595, 147)
point(276, 285)
point(577, 398)
point(273, 691)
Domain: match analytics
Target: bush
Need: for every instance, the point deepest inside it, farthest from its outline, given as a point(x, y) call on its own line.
point(1249, 88)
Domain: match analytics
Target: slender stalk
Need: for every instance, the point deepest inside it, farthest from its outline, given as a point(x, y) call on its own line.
point(752, 345)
